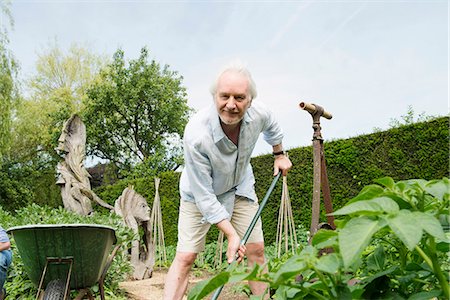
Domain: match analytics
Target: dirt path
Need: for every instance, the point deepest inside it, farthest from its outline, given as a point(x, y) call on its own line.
point(152, 289)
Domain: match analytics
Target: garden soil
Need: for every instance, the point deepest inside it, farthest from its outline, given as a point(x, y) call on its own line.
point(152, 288)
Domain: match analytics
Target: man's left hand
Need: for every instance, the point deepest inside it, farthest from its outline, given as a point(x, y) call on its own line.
point(282, 163)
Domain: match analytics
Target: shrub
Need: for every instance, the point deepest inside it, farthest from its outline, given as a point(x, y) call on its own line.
point(419, 150)
point(390, 243)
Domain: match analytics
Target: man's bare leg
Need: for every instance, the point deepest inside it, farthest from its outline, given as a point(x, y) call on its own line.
point(255, 254)
point(178, 275)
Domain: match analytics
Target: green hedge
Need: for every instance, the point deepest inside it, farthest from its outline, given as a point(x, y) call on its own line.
point(419, 150)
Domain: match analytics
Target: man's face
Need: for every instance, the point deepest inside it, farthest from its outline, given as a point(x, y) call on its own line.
point(232, 97)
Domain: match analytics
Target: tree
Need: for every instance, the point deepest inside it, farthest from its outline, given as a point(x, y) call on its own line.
point(66, 75)
point(136, 112)
point(56, 92)
point(8, 84)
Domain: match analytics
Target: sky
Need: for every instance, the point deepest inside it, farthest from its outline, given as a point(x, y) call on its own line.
point(365, 62)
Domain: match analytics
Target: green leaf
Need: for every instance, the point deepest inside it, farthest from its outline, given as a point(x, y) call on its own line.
point(386, 181)
point(367, 193)
point(402, 203)
point(343, 292)
point(355, 236)
point(317, 285)
point(376, 260)
point(387, 204)
point(438, 188)
point(329, 263)
point(324, 238)
point(360, 206)
point(284, 292)
point(443, 247)
point(291, 268)
point(390, 270)
point(430, 224)
point(203, 288)
point(426, 295)
point(406, 227)
point(381, 204)
point(413, 266)
point(410, 183)
point(245, 276)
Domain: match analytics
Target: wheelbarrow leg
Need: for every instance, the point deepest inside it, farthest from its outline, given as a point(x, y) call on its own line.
point(56, 260)
point(84, 292)
point(42, 280)
point(105, 270)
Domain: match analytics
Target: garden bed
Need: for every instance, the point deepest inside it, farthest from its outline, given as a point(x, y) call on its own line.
point(152, 288)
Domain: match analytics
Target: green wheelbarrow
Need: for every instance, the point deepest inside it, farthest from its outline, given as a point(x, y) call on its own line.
point(65, 257)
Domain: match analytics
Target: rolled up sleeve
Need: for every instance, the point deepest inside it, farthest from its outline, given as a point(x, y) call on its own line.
point(272, 132)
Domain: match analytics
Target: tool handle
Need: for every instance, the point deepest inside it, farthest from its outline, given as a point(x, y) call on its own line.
point(258, 213)
point(313, 108)
point(252, 225)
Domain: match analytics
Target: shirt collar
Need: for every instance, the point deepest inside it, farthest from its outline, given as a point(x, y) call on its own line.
point(217, 130)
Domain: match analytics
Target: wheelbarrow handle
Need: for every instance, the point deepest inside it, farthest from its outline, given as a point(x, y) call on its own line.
point(252, 225)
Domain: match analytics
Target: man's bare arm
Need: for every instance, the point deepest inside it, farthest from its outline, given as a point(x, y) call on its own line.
point(234, 241)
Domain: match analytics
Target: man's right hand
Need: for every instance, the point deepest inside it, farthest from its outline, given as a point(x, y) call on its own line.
point(235, 250)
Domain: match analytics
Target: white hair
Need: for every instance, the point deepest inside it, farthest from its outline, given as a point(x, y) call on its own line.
point(239, 68)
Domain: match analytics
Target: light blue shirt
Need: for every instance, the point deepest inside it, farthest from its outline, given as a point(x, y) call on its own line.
point(3, 236)
point(216, 170)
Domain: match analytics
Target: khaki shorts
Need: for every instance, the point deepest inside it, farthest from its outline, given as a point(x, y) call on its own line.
point(192, 233)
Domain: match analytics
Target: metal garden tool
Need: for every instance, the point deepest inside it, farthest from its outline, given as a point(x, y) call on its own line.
point(320, 169)
point(252, 224)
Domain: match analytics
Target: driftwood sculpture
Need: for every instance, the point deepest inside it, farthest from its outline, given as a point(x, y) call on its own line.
point(72, 176)
point(134, 210)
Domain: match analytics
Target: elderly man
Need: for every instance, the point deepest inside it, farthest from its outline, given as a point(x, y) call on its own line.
point(5, 260)
point(217, 183)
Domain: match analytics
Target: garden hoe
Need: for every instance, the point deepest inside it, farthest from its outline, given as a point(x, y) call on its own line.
point(252, 224)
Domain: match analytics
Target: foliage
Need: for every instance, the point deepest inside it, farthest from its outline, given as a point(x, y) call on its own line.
point(8, 83)
point(415, 151)
point(136, 111)
point(391, 244)
point(18, 284)
point(23, 184)
point(409, 118)
point(56, 92)
point(419, 150)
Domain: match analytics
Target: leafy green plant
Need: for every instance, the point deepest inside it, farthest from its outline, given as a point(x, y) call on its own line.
point(390, 243)
point(400, 153)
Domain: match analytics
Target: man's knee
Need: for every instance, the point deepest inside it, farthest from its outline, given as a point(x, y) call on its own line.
point(185, 259)
point(255, 252)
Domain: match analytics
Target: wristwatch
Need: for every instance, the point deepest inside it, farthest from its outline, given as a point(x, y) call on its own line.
point(279, 153)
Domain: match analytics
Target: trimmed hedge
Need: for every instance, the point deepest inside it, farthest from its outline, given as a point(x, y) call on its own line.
point(420, 150)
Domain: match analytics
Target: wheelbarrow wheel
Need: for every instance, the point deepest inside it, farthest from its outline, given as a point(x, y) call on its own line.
point(55, 290)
